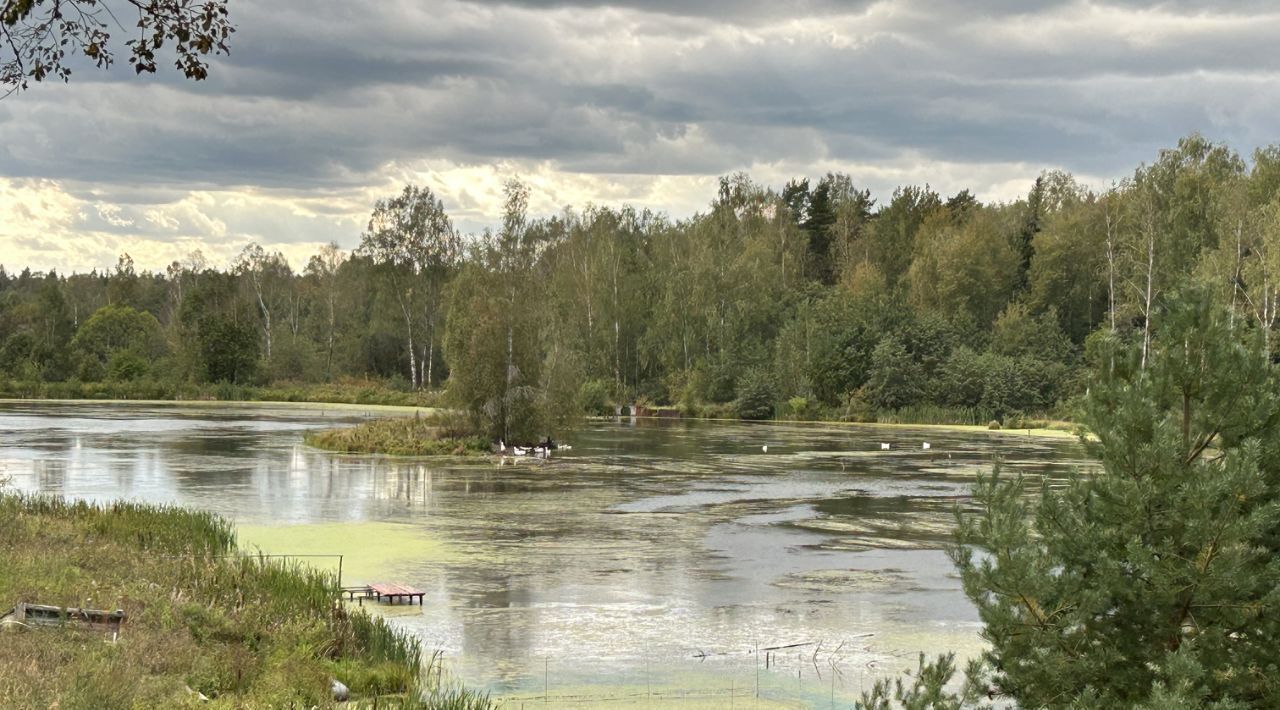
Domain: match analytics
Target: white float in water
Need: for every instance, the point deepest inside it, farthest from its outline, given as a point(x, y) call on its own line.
point(884, 447)
point(765, 448)
point(926, 446)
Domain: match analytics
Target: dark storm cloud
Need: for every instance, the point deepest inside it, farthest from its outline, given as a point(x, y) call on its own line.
point(324, 94)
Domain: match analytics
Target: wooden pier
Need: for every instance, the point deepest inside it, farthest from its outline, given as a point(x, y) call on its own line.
point(387, 591)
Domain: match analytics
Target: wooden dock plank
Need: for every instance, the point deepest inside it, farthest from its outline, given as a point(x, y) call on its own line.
point(392, 591)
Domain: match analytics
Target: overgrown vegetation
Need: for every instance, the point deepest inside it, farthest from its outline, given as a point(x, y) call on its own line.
point(809, 301)
point(347, 391)
point(1154, 583)
point(241, 630)
point(436, 435)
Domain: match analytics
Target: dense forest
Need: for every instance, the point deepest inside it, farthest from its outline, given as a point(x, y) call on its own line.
point(812, 301)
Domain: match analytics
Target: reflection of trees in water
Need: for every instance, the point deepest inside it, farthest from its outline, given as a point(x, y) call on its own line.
point(50, 475)
point(497, 614)
point(219, 444)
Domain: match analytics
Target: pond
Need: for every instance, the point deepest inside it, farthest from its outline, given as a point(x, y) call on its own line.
point(659, 563)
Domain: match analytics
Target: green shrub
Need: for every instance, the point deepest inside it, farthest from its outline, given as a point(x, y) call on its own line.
point(593, 398)
point(857, 407)
point(800, 408)
point(756, 395)
point(125, 365)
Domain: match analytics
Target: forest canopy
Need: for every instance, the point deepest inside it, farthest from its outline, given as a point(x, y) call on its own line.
point(812, 300)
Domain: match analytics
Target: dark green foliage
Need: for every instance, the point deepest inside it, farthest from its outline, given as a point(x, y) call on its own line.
point(896, 379)
point(839, 335)
point(1153, 582)
point(593, 398)
point(756, 395)
point(982, 309)
point(228, 350)
point(117, 342)
point(494, 339)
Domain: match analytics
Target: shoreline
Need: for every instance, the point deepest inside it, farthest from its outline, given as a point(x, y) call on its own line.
point(410, 410)
point(1035, 432)
point(404, 409)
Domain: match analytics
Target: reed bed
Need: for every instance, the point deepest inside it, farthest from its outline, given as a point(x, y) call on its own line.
point(439, 435)
point(203, 619)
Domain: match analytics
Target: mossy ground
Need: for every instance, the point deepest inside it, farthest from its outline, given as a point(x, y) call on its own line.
point(243, 631)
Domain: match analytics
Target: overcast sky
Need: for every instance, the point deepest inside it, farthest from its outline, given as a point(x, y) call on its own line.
point(325, 105)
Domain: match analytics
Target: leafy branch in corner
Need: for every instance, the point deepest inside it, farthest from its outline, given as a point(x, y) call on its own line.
point(43, 39)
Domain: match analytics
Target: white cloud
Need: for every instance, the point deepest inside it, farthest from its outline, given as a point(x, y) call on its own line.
point(326, 105)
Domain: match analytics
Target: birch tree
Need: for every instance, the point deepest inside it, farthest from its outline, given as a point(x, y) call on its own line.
point(412, 242)
point(324, 267)
point(269, 279)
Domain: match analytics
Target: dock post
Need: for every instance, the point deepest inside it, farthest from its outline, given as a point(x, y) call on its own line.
point(339, 571)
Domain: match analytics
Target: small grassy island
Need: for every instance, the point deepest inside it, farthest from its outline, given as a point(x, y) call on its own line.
point(433, 435)
point(202, 622)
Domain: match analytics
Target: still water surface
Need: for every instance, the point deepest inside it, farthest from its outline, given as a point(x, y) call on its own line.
point(643, 568)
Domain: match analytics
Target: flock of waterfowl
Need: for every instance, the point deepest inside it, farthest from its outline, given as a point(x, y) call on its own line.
point(544, 448)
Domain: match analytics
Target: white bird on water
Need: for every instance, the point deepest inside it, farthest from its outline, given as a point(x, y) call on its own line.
point(765, 448)
point(926, 446)
point(884, 446)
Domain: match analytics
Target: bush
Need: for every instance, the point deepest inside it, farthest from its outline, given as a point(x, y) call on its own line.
point(593, 397)
point(896, 380)
point(719, 382)
point(756, 395)
point(858, 407)
point(800, 408)
point(125, 365)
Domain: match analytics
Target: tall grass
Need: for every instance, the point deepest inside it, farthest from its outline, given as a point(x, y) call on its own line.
point(439, 435)
point(935, 414)
point(244, 630)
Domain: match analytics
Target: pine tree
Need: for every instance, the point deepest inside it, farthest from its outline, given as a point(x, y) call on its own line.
point(1154, 581)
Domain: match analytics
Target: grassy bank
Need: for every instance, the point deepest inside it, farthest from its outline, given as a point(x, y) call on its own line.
point(799, 411)
point(242, 631)
point(435, 435)
point(351, 391)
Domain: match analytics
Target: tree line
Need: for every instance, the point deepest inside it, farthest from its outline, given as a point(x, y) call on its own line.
point(809, 301)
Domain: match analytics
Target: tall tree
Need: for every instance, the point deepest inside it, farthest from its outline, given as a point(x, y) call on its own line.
point(492, 342)
point(270, 281)
point(325, 268)
point(411, 240)
point(1152, 582)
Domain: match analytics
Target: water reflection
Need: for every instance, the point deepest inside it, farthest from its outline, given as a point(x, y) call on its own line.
point(659, 553)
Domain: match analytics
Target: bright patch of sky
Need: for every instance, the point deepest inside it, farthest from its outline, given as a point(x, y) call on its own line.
point(326, 105)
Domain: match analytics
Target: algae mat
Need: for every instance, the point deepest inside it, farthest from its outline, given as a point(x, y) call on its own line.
point(372, 551)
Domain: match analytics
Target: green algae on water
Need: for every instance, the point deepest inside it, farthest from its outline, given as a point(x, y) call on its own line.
point(371, 552)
